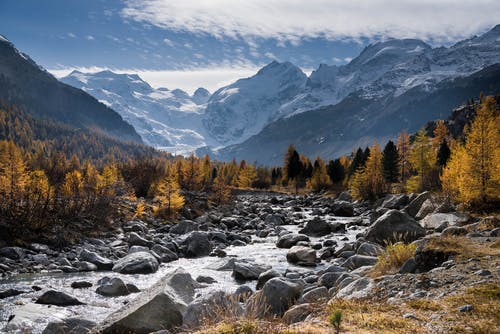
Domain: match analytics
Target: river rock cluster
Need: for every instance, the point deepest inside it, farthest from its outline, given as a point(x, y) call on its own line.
point(335, 244)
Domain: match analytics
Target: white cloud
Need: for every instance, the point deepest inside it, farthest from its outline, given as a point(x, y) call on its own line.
point(212, 77)
point(71, 35)
point(89, 37)
point(291, 20)
point(168, 42)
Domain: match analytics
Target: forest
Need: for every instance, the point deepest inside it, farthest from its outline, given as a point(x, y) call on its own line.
point(58, 183)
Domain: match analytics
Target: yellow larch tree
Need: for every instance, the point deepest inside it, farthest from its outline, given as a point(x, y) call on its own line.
point(168, 194)
point(423, 160)
point(319, 179)
point(404, 149)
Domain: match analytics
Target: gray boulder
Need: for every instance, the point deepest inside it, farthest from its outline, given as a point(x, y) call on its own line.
point(316, 227)
point(435, 220)
point(297, 313)
point(357, 261)
point(342, 209)
point(136, 263)
point(370, 249)
point(13, 253)
point(329, 279)
point(426, 208)
point(278, 294)
point(358, 289)
point(266, 276)
point(100, 262)
point(301, 255)
point(57, 298)
point(394, 226)
point(113, 287)
point(209, 307)
point(248, 270)
point(163, 254)
point(183, 227)
point(315, 295)
point(415, 204)
point(136, 239)
point(162, 306)
point(290, 239)
point(70, 325)
point(196, 244)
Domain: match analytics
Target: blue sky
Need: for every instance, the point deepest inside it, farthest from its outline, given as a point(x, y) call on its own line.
point(209, 43)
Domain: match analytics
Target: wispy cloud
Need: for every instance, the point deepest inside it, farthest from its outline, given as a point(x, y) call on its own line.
point(89, 38)
point(292, 20)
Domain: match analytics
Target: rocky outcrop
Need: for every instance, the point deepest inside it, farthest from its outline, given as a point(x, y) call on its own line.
point(137, 263)
point(394, 226)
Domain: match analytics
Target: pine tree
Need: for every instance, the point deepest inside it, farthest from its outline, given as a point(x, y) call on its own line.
point(443, 154)
point(422, 158)
point(473, 173)
point(168, 194)
point(336, 171)
point(292, 165)
point(390, 162)
point(404, 148)
point(319, 180)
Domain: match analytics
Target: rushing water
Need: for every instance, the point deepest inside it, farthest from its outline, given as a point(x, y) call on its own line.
point(35, 317)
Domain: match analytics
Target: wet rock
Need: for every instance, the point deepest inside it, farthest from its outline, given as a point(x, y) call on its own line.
point(136, 263)
point(274, 219)
point(163, 254)
point(160, 307)
point(10, 293)
point(86, 266)
point(70, 325)
point(303, 256)
point(196, 244)
point(248, 271)
point(113, 288)
point(13, 253)
point(357, 261)
point(58, 298)
point(81, 284)
point(100, 262)
point(314, 295)
point(205, 279)
point(266, 276)
point(342, 209)
point(136, 249)
point(183, 227)
point(290, 239)
point(136, 239)
point(316, 227)
point(24, 315)
point(393, 226)
point(297, 313)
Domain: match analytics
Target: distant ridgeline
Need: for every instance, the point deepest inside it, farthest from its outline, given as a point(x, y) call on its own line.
point(48, 137)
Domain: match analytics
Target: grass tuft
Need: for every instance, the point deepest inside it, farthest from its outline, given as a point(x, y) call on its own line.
point(394, 256)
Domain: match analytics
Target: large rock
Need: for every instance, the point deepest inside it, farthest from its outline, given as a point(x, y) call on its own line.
point(162, 306)
point(358, 289)
point(395, 201)
point(183, 227)
point(137, 263)
point(370, 249)
point(329, 279)
point(278, 294)
point(13, 253)
point(415, 205)
point(113, 287)
point(25, 317)
point(394, 226)
point(301, 255)
point(357, 261)
point(71, 325)
point(266, 276)
point(297, 313)
point(210, 307)
point(435, 220)
point(100, 262)
point(315, 295)
point(137, 240)
point(196, 244)
point(248, 270)
point(163, 254)
point(316, 227)
point(290, 239)
point(57, 298)
point(426, 208)
point(342, 209)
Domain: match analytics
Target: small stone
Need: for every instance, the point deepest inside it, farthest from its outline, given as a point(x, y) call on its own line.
point(410, 316)
point(483, 272)
point(466, 308)
point(81, 285)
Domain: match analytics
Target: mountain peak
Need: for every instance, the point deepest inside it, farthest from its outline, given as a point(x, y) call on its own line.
point(201, 95)
point(4, 39)
point(276, 66)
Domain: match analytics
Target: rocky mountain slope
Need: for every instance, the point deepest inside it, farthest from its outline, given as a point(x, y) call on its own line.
point(165, 119)
point(30, 87)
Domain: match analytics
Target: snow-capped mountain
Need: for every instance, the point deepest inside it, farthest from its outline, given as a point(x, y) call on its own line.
point(165, 119)
point(242, 109)
point(383, 72)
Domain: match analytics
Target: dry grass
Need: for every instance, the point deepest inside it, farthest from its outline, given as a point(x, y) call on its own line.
point(462, 247)
point(394, 256)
